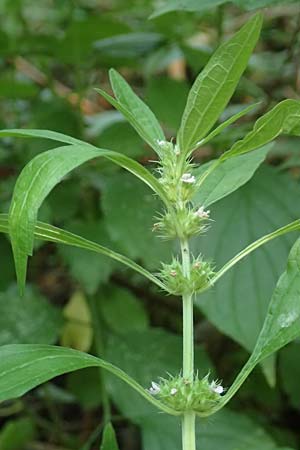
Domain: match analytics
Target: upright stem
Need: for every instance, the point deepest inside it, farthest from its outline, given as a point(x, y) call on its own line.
point(188, 420)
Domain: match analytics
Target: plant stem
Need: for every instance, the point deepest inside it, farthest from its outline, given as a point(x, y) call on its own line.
point(188, 420)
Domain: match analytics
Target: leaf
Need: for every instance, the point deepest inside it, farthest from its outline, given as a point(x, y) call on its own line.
point(118, 192)
point(215, 85)
point(89, 269)
point(16, 324)
point(289, 369)
point(186, 5)
point(267, 202)
point(17, 434)
point(228, 176)
point(282, 323)
point(167, 98)
point(109, 440)
point(50, 233)
point(35, 182)
point(122, 311)
point(227, 430)
point(284, 118)
point(25, 366)
point(127, 163)
point(135, 110)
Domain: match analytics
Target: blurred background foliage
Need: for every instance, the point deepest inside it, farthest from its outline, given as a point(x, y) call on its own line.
point(53, 53)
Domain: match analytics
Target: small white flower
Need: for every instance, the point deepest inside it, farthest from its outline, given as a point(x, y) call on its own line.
point(217, 388)
point(173, 273)
point(188, 178)
point(161, 143)
point(202, 213)
point(174, 391)
point(154, 389)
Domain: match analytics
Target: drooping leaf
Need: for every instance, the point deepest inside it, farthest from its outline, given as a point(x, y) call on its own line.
point(228, 176)
point(264, 204)
point(127, 163)
point(25, 366)
point(215, 85)
point(37, 179)
point(16, 318)
point(109, 440)
point(50, 233)
point(135, 110)
point(284, 118)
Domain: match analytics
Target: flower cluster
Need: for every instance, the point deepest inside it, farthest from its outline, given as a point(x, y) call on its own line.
point(199, 395)
point(182, 223)
point(177, 179)
point(177, 284)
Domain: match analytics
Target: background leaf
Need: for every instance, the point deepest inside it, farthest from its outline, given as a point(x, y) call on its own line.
point(109, 441)
point(268, 201)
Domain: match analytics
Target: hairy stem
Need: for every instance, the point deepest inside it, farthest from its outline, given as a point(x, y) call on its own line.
point(188, 420)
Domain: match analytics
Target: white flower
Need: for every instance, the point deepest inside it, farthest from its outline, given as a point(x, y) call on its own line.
point(173, 273)
point(217, 388)
point(174, 391)
point(154, 389)
point(188, 178)
point(202, 213)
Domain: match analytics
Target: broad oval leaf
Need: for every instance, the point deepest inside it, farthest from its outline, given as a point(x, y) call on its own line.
point(135, 110)
point(266, 203)
point(284, 118)
point(215, 85)
point(25, 366)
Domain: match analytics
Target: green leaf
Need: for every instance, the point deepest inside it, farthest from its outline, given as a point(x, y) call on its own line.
point(284, 118)
point(50, 233)
point(215, 85)
point(228, 176)
point(186, 5)
point(25, 366)
point(282, 323)
point(289, 369)
point(89, 269)
point(227, 430)
point(122, 311)
point(117, 193)
point(16, 324)
point(264, 204)
point(109, 440)
point(36, 181)
point(17, 434)
point(127, 163)
point(135, 110)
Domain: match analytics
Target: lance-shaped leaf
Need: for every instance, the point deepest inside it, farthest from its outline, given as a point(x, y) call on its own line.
point(215, 85)
point(127, 163)
point(282, 323)
point(35, 182)
point(284, 118)
point(227, 177)
point(138, 114)
point(50, 233)
point(25, 366)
